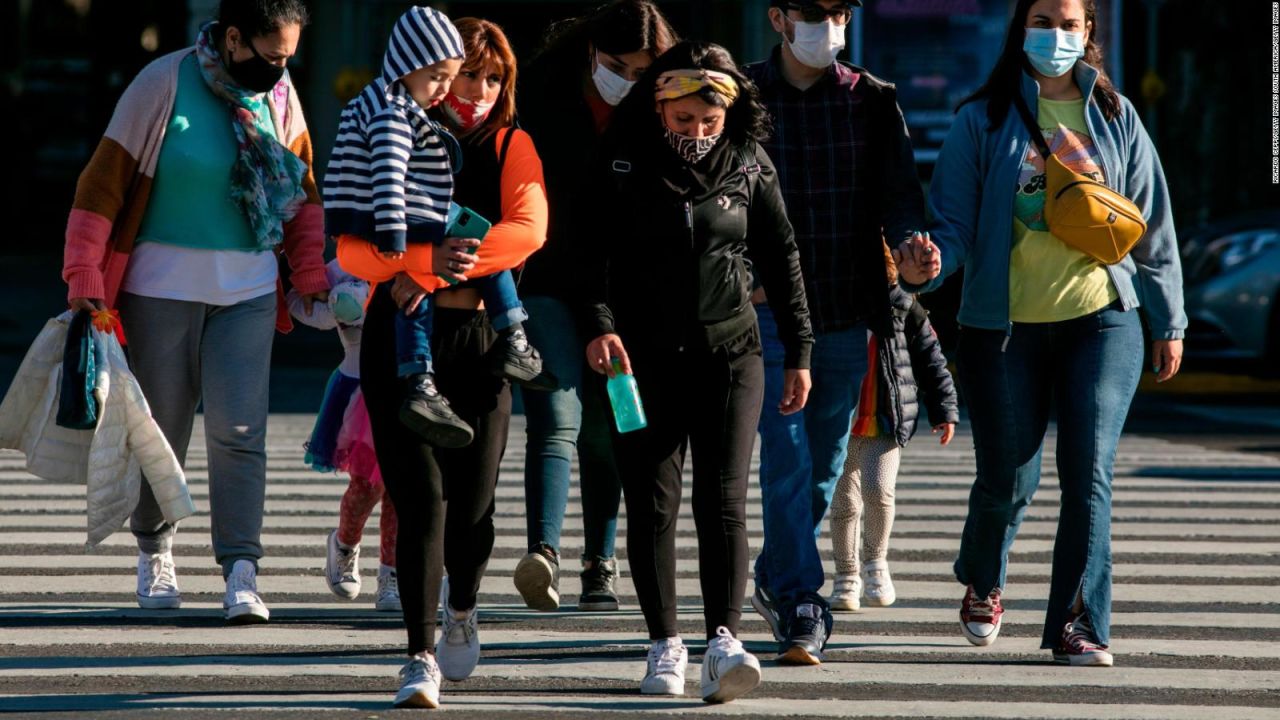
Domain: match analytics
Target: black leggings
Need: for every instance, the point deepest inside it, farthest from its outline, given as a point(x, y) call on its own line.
point(420, 477)
point(707, 400)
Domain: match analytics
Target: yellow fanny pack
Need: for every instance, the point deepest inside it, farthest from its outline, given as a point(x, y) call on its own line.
point(1082, 212)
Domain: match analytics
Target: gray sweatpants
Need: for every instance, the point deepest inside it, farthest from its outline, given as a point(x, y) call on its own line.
point(863, 504)
point(182, 352)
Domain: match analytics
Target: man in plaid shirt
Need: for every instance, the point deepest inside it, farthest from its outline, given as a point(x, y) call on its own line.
point(848, 176)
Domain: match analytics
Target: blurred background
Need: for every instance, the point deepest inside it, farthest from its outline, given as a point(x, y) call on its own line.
point(1197, 71)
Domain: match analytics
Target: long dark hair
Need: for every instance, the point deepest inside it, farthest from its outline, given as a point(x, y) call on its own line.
point(744, 121)
point(615, 28)
point(1006, 77)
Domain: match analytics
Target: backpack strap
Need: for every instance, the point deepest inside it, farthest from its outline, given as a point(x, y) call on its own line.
point(1033, 127)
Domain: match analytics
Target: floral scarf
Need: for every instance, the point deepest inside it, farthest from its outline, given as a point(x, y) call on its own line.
point(266, 179)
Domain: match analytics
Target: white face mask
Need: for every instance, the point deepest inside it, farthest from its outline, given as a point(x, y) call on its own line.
point(816, 44)
point(612, 86)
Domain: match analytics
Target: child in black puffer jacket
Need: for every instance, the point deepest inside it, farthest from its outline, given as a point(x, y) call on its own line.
point(903, 370)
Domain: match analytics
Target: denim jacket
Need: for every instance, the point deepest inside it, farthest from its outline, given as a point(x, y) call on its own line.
point(972, 196)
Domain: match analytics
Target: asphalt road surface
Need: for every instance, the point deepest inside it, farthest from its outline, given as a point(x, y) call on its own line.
point(1196, 616)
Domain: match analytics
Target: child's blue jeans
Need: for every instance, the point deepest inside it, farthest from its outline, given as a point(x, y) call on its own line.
point(413, 331)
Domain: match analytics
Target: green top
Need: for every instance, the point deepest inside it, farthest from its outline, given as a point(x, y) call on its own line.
point(190, 203)
point(1050, 281)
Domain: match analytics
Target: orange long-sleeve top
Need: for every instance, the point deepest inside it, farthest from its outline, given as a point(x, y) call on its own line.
point(522, 230)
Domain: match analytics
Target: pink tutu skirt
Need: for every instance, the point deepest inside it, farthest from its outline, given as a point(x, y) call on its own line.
point(354, 453)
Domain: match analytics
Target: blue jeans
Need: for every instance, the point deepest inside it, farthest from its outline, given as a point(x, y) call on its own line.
point(413, 332)
point(801, 458)
point(1088, 368)
point(574, 415)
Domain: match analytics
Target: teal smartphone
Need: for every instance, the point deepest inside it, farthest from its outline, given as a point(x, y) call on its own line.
point(466, 223)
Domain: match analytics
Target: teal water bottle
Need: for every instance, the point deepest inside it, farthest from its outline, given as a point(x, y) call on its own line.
point(624, 396)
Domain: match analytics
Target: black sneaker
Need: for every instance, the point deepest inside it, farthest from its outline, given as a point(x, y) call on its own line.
point(599, 593)
point(762, 601)
point(514, 359)
point(426, 412)
point(807, 633)
point(537, 577)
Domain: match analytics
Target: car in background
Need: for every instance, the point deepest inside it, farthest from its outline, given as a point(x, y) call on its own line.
point(1231, 276)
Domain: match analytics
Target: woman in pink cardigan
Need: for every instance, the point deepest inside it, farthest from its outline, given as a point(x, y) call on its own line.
point(202, 178)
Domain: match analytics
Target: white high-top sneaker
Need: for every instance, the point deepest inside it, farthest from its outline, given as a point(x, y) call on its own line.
point(342, 568)
point(158, 582)
point(845, 594)
point(728, 670)
point(419, 683)
point(665, 673)
point(879, 586)
point(388, 597)
point(243, 604)
point(458, 650)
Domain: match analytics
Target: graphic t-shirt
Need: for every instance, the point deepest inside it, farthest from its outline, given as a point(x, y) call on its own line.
point(1049, 281)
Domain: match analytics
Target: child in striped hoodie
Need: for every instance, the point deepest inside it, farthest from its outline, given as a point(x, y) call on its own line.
point(390, 181)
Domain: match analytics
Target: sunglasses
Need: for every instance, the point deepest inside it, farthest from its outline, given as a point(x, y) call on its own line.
point(814, 13)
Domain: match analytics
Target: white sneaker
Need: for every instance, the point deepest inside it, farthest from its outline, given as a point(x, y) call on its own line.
point(388, 598)
point(458, 649)
point(848, 588)
point(878, 584)
point(665, 673)
point(342, 568)
point(728, 670)
point(158, 582)
point(419, 683)
point(242, 603)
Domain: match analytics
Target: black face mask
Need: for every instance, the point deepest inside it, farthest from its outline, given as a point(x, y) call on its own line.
point(255, 74)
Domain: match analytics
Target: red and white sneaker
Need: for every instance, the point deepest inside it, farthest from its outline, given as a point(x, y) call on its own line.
point(1079, 646)
point(980, 617)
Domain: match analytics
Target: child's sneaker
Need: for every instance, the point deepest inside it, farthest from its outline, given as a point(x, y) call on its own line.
point(342, 567)
point(664, 675)
point(419, 683)
point(158, 582)
point(728, 670)
point(388, 597)
point(513, 358)
point(980, 617)
point(1079, 646)
point(878, 584)
point(845, 595)
point(426, 412)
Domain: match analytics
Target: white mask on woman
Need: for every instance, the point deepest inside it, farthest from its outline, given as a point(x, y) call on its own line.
point(817, 44)
point(612, 86)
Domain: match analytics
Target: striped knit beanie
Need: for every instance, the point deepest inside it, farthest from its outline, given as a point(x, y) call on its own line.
point(422, 36)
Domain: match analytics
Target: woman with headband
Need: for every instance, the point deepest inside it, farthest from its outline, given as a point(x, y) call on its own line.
point(687, 208)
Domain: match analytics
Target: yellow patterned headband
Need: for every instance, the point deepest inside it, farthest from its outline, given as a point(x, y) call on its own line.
point(679, 83)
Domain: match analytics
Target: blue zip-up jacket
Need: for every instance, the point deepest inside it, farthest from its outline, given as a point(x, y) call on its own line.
point(972, 196)
point(390, 176)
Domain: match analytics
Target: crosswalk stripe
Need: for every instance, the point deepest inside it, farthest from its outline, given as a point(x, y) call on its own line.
point(1197, 615)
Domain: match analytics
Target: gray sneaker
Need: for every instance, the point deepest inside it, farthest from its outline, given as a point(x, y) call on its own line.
point(419, 683)
point(599, 586)
point(458, 650)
